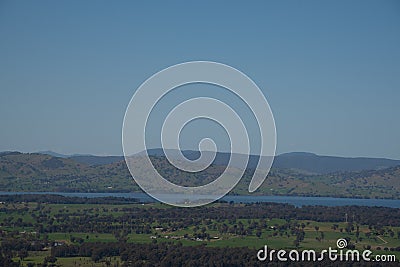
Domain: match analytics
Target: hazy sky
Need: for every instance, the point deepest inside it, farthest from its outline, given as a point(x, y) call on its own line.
point(329, 69)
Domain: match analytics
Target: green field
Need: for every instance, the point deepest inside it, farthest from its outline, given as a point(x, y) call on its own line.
point(113, 223)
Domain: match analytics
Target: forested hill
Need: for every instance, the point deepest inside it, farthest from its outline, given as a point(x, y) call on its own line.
point(40, 172)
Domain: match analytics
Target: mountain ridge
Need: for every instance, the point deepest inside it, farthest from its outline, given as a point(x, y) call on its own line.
point(39, 173)
point(301, 161)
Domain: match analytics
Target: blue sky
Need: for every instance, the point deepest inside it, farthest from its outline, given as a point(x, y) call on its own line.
point(329, 69)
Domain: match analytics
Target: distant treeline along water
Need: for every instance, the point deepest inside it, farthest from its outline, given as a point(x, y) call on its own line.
point(293, 200)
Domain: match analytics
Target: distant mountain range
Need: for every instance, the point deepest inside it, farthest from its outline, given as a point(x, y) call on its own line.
point(298, 174)
point(85, 158)
point(300, 161)
point(327, 164)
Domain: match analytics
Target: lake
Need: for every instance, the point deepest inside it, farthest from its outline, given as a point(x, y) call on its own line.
point(293, 200)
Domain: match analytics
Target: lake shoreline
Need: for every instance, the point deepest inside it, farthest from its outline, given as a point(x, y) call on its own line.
point(293, 200)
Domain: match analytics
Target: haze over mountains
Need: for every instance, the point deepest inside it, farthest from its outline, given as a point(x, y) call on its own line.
point(299, 161)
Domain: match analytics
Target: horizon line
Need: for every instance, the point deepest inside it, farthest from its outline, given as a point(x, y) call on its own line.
point(48, 152)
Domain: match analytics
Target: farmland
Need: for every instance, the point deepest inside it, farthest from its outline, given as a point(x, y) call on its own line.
point(55, 230)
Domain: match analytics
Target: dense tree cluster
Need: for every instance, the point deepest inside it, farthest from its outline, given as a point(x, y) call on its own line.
point(58, 199)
